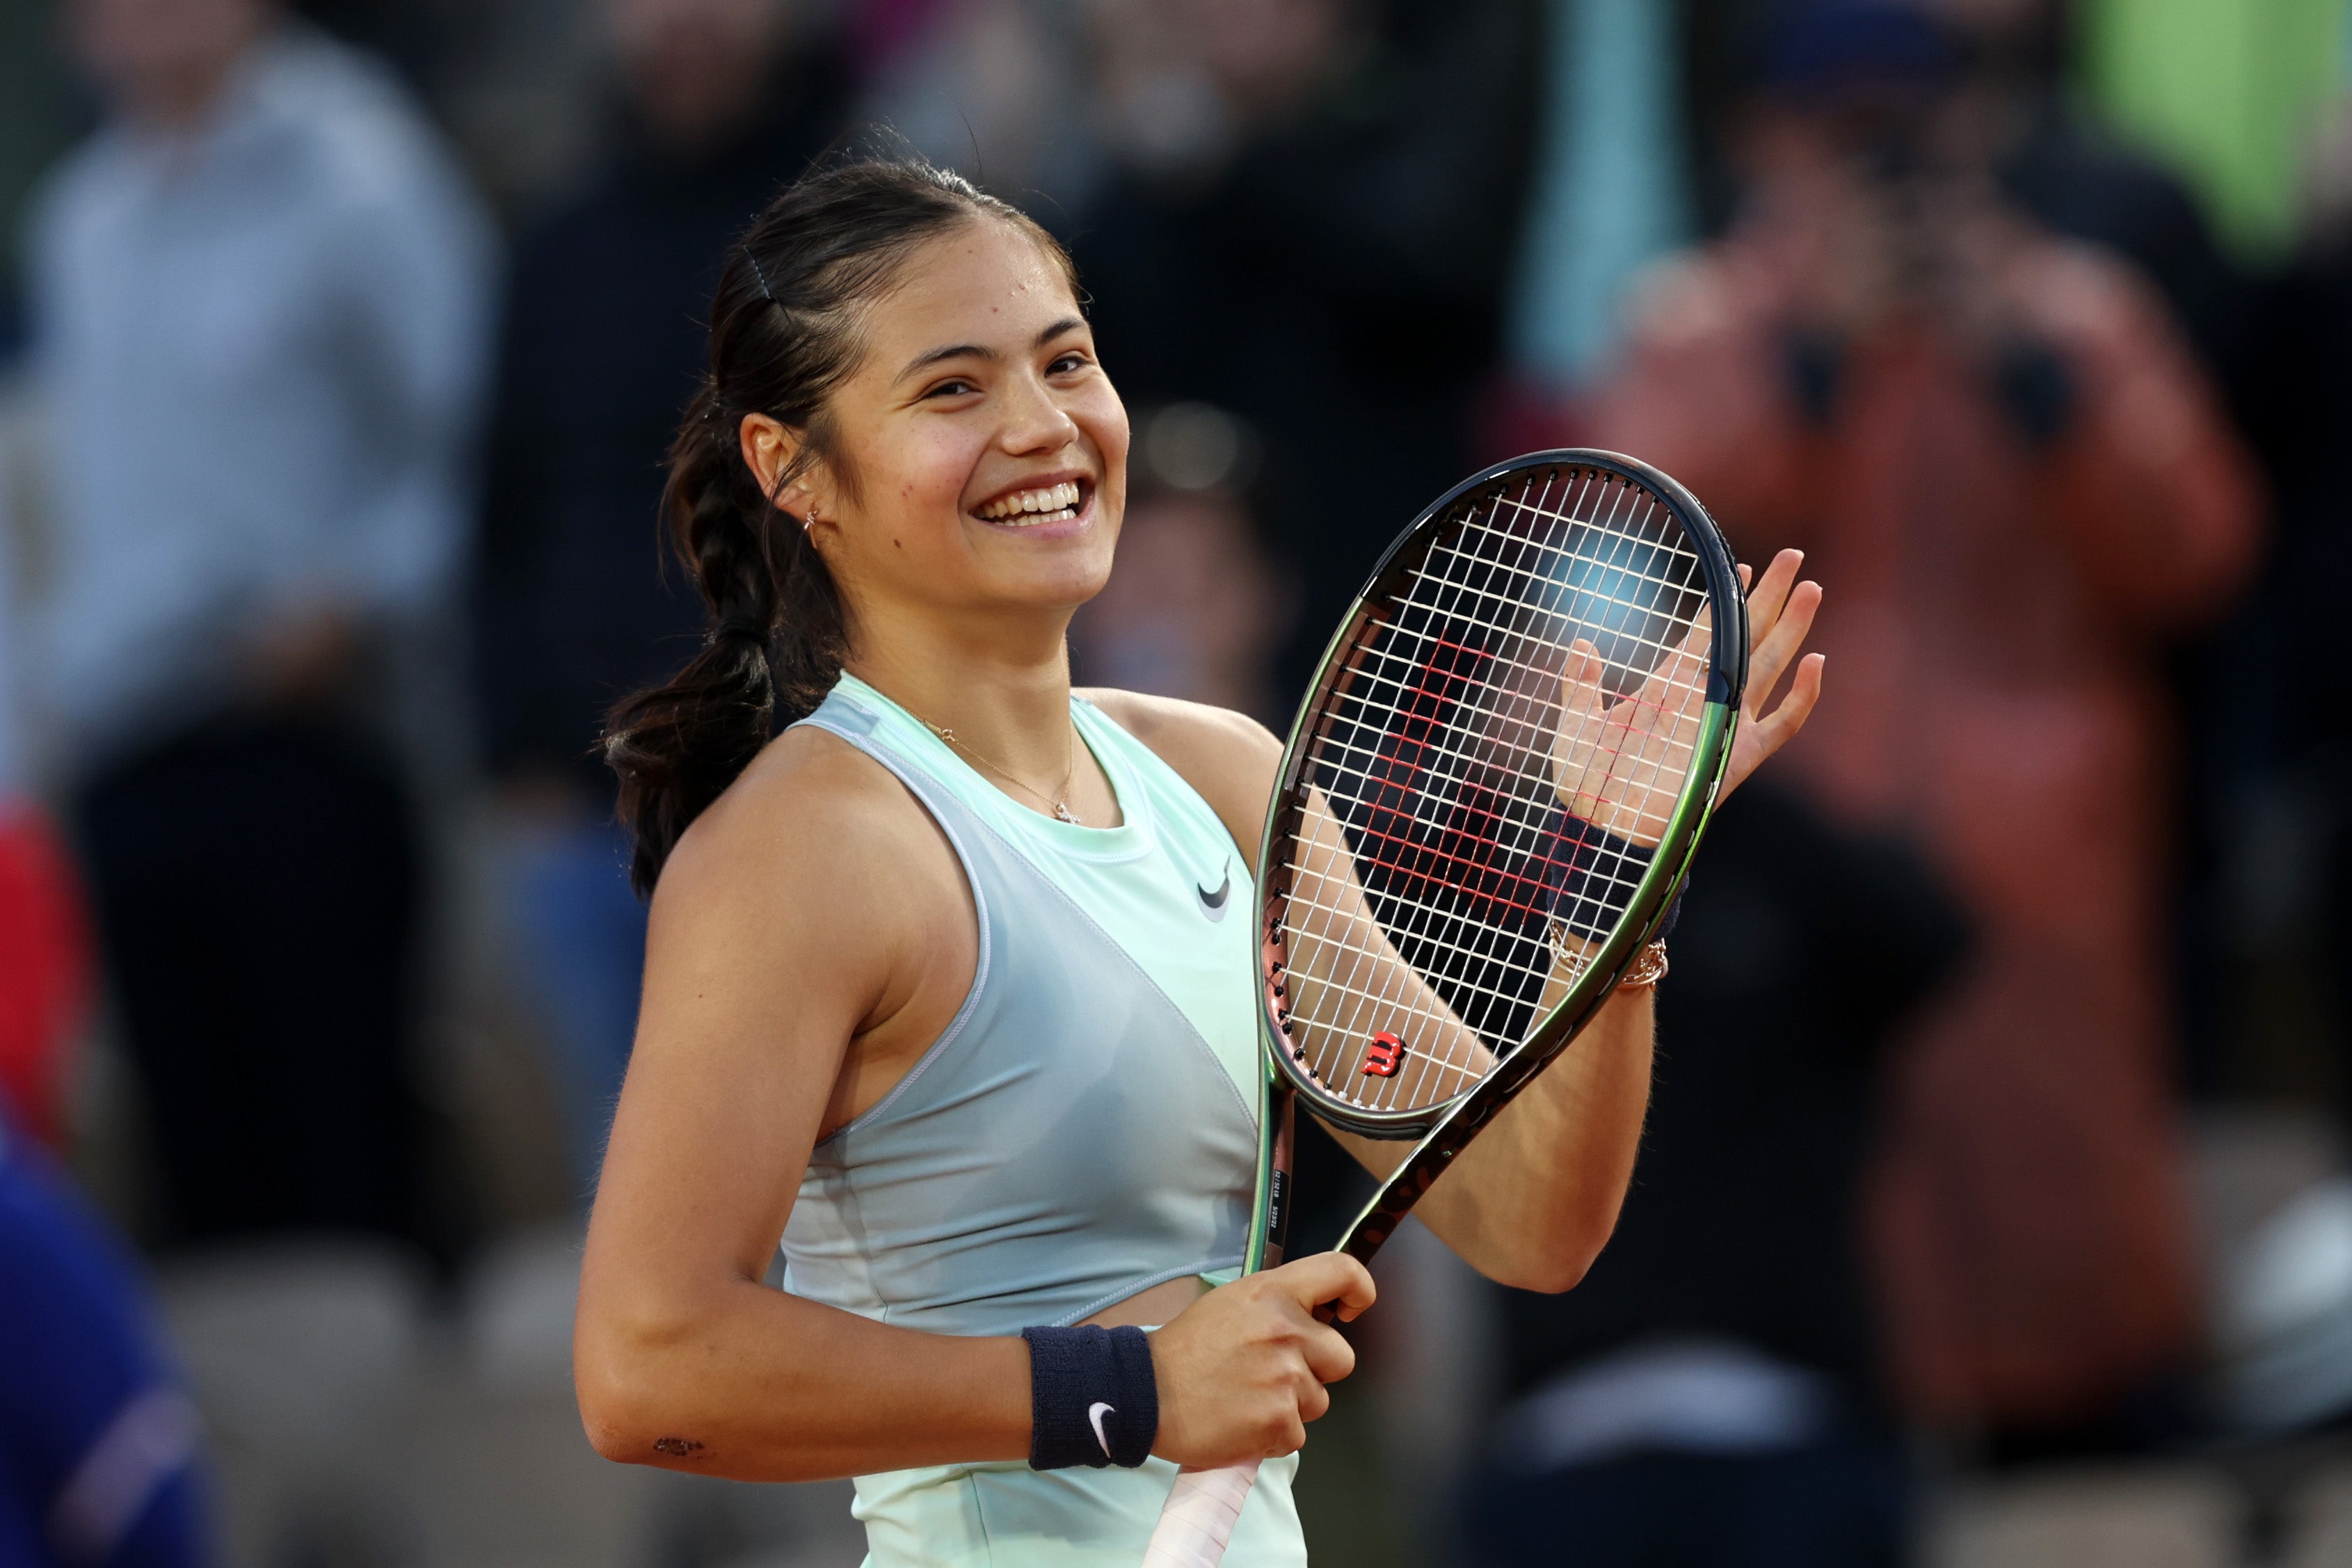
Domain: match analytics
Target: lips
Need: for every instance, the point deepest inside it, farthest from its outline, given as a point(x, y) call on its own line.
point(1057, 502)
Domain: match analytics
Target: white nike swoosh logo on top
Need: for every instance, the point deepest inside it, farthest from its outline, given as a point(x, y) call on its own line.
point(1095, 1413)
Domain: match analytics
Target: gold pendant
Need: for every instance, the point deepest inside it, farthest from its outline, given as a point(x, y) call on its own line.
point(1063, 812)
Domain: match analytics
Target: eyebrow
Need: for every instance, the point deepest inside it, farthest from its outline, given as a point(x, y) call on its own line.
point(978, 350)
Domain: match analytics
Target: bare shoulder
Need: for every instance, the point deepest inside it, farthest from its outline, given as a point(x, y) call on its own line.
point(1196, 740)
point(1229, 757)
point(811, 935)
point(812, 823)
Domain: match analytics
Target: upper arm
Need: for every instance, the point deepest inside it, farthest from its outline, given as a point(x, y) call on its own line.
point(1230, 758)
point(775, 937)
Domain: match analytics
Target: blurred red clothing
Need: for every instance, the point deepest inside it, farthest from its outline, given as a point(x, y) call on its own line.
point(44, 965)
point(1995, 608)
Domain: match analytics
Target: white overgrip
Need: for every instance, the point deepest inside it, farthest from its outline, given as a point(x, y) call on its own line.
point(1199, 1516)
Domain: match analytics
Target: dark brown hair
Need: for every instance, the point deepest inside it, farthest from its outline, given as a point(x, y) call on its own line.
point(784, 334)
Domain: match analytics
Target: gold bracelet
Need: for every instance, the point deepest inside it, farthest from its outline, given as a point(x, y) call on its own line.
point(1649, 967)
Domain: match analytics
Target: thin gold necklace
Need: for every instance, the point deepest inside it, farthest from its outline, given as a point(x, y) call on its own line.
point(1058, 801)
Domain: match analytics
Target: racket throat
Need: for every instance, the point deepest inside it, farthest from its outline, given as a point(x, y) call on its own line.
point(1276, 1217)
point(1370, 1229)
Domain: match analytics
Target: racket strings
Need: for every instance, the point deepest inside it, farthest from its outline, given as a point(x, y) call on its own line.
point(1423, 825)
point(1475, 988)
point(1351, 766)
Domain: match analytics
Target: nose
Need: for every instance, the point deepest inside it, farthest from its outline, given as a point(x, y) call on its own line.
point(1034, 419)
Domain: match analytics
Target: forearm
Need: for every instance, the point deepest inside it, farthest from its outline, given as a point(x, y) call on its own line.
point(1534, 1198)
point(754, 1384)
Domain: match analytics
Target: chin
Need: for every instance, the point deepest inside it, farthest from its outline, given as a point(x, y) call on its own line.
point(1072, 555)
point(1062, 590)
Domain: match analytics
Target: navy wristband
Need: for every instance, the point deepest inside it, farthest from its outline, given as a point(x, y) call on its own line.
point(1093, 1399)
point(1590, 874)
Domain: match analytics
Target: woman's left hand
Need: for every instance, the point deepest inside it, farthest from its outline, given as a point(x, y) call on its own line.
point(1780, 611)
point(1658, 725)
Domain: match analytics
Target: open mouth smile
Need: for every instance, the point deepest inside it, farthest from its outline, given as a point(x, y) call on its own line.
point(1059, 502)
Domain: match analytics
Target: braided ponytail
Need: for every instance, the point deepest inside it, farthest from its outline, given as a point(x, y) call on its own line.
point(783, 336)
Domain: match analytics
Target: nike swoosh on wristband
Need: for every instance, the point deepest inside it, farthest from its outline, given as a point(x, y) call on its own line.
point(1214, 904)
point(1095, 1413)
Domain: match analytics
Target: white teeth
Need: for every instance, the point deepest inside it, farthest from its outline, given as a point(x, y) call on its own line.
point(1050, 504)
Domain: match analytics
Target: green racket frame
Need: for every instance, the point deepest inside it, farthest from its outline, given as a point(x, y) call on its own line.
point(1446, 1130)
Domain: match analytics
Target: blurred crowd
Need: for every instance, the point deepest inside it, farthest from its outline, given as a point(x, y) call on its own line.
point(339, 352)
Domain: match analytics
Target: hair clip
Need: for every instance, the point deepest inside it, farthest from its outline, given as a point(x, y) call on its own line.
point(765, 293)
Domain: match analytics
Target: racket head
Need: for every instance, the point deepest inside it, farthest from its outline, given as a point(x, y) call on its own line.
point(1425, 746)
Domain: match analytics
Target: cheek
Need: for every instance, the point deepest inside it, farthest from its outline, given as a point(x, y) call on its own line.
point(1104, 419)
point(1109, 431)
point(928, 469)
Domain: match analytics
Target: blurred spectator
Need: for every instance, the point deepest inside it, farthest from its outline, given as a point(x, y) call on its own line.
point(1709, 1394)
point(2020, 105)
point(1190, 610)
point(1609, 190)
point(1311, 226)
point(44, 957)
point(2062, 168)
point(721, 101)
point(97, 1443)
point(2071, 173)
point(2000, 457)
point(44, 967)
point(35, 125)
point(257, 303)
point(2068, 172)
point(997, 88)
point(2289, 728)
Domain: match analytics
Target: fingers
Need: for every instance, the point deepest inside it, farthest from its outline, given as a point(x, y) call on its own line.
point(1326, 1279)
point(1780, 613)
point(1243, 1369)
point(1580, 683)
point(1579, 715)
point(1775, 646)
point(1330, 1359)
point(1681, 668)
point(1760, 738)
point(1766, 597)
point(1783, 723)
point(1337, 1280)
point(1328, 1355)
point(1332, 1277)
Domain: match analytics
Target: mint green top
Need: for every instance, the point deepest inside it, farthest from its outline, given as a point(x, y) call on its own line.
point(1083, 1129)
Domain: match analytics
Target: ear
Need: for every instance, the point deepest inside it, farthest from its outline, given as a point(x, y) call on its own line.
point(770, 448)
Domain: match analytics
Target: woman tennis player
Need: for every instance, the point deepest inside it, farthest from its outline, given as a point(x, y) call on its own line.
point(945, 990)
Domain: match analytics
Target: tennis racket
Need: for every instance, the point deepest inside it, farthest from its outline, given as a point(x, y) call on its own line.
point(1487, 805)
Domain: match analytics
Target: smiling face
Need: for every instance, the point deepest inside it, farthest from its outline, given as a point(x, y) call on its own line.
point(977, 468)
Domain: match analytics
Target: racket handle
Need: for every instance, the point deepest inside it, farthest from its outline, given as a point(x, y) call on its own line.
point(1199, 1516)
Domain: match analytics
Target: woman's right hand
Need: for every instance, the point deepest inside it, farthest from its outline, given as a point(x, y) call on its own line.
point(1241, 1371)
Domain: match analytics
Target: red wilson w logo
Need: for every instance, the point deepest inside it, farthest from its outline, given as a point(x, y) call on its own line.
point(1382, 1055)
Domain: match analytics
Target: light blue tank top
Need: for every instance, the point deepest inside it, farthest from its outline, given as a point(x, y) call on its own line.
point(1084, 1129)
